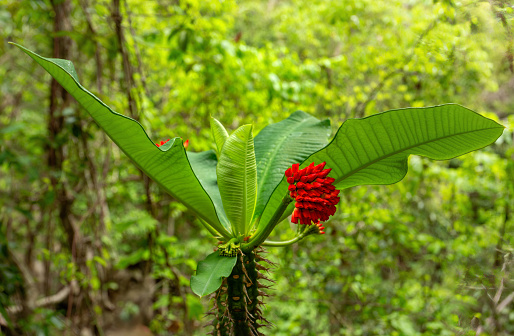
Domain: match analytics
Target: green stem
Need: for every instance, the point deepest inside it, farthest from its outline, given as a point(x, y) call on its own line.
point(302, 234)
point(237, 301)
point(282, 243)
point(285, 215)
point(261, 235)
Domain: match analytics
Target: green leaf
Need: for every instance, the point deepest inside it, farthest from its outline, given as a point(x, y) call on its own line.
point(219, 133)
point(167, 165)
point(204, 167)
point(237, 178)
point(210, 273)
point(374, 150)
point(279, 146)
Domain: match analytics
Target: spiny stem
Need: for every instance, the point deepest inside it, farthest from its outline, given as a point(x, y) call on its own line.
point(236, 311)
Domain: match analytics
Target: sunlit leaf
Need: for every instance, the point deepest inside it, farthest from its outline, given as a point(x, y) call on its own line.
point(374, 150)
point(167, 165)
point(237, 178)
point(280, 145)
point(219, 134)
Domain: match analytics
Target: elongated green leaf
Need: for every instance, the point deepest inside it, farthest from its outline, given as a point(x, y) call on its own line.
point(237, 178)
point(210, 273)
point(374, 150)
point(204, 167)
point(280, 145)
point(219, 134)
point(167, 165)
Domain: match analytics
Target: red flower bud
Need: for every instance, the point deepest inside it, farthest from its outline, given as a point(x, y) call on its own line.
point(161, 143)
point(295, 168)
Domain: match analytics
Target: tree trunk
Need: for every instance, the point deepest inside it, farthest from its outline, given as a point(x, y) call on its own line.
point(59, 100)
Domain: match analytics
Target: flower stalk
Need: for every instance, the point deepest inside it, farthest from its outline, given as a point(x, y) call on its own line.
point(304, 232)
point(260, 236)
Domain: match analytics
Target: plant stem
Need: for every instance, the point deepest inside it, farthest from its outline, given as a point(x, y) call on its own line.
point(303, 231)
point(282, 243)
point(285, 214)
point(261, 235)
point(236, 310)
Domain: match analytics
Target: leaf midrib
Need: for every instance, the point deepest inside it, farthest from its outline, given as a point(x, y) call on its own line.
point(210, 277)
point(404, 149)
point(245, 174)
point(272, 157)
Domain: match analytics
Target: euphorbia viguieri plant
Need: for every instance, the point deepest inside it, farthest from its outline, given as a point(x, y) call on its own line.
point(241, 191)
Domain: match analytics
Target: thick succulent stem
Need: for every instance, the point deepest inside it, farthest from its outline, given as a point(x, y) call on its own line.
point(236, 304)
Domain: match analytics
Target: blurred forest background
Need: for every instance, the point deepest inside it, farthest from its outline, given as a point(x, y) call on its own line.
point(90, 246)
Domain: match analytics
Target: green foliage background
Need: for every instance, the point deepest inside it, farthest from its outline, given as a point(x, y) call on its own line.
point(422, 257)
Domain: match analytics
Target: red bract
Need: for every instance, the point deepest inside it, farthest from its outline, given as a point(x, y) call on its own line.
point(186, 143)
point(320, 228)
point(161, 143)
point(313, 192)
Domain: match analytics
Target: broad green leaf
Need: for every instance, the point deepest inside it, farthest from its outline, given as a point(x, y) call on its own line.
point(210, 273)
point(279, 146)
point(204, 167)
point(237, 178)
point(374, 150)
point(167, 165)
point(219, 134)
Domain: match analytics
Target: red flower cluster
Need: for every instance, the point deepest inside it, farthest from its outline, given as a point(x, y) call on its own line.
point(314, 193)
point(186, 143)
point(161, 143)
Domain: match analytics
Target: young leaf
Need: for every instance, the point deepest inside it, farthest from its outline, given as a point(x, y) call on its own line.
point(219, 133)
point(169, 167)
point(210, 273)
point(374, 150)
point(280, 145)
point(237, 178)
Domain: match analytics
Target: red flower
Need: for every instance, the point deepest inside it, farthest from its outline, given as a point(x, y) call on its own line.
point(186, 143)
point(314, 193)
point(161, 143)
point(320, 228)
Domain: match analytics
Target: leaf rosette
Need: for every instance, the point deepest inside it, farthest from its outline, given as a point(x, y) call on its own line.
point(240, 193)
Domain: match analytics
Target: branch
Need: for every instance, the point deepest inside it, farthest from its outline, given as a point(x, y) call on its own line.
point(60, 296)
